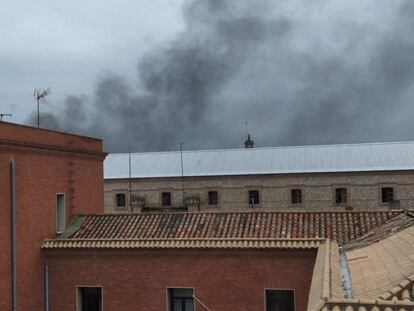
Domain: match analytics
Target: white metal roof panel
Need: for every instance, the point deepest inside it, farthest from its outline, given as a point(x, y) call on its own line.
point(275, 160)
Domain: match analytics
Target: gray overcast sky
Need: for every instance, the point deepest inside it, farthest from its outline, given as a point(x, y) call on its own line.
point(66, 45)
point(147, 75)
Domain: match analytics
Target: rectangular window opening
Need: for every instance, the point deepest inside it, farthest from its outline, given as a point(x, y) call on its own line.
point(254, 197)
point(278, 300)
point(341, 196)
point(212, 198)
point(120, 199)
point(166, 199)
point(296, 196)
point(60, 213)
point(387, 194)
point(181, 299)
point(89, 299)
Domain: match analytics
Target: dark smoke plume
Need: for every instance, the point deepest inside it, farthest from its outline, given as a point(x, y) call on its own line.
point(301, 72)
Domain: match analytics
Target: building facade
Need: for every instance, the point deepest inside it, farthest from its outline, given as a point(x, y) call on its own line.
point(256, 261)
point(329, 178)
point(46, 178)
point(167, 279)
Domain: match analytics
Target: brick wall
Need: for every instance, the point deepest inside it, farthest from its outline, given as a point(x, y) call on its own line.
point(138, 280)
point(46, 163)
point(364, 189)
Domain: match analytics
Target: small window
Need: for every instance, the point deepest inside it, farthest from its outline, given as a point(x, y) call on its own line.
point(296, 196)
point(212, 198)
point(341, 196)
point(60, 213)
point(254, 197)
point(277, 300)
point(387, 194)
point(89, 299)
point(120, 199)
point(166, 199)
point(181, 299)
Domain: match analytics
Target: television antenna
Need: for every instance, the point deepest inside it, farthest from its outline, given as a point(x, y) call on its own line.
point(4, 115)
point(40, 96)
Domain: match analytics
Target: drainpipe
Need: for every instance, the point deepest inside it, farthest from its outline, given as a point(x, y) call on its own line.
point(46, 285)
point(13, 232)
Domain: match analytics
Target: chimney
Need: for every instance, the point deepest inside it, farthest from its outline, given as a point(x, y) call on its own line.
point(248, 143)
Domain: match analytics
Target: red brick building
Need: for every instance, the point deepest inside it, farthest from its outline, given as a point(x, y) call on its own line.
point(228, 261)
point(57, 176)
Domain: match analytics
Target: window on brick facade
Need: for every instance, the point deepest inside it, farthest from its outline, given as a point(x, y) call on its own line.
point(341, 195)
point(181, 299)
point(254, 197)
point(166, 199)
point(60, 213)
point(89, 299)
point(387, 194)
point(278, 300)
point(212, 198)
point(296, 196)
point(120, 200)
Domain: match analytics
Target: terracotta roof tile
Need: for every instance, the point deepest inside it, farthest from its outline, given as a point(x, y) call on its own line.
point(183, 243)
point(340, 226)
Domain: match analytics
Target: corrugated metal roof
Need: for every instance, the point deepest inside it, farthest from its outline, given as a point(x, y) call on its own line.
point(276, 160)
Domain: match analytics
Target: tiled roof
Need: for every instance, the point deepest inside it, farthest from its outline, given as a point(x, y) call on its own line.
point(381, 267)
point(382, 271)
point(186, 243)
point(389, 228)
point(339, 226)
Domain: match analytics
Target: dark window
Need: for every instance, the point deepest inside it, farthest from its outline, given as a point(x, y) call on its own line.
point(212, 198)
point(254, 197)
point(60, 213)
point(89, 299)
point(181, 299)
point(166, 199)
point(120, 200)
point(387, 194)
point(341, 195)
point(278, 300)
point(296, 196)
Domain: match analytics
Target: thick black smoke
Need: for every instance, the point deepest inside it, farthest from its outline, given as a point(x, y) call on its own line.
point(301, 72)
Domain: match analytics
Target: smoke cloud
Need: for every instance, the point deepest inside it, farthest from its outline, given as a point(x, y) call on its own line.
point(300, 72)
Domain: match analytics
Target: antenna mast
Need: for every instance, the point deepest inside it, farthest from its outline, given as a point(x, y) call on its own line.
point(40, 95)
point(130, 180)
point(182, 171)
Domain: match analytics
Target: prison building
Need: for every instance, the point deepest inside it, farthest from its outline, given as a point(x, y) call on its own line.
point(369, 176)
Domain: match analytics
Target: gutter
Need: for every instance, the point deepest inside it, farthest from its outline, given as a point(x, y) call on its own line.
point(345, 274)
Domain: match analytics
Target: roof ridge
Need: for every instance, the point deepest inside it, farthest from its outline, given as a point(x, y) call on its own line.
point(188, 239)
point(396, 211)
point(267, 148)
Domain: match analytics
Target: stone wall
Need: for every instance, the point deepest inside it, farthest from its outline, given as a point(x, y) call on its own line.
point(318, 191)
